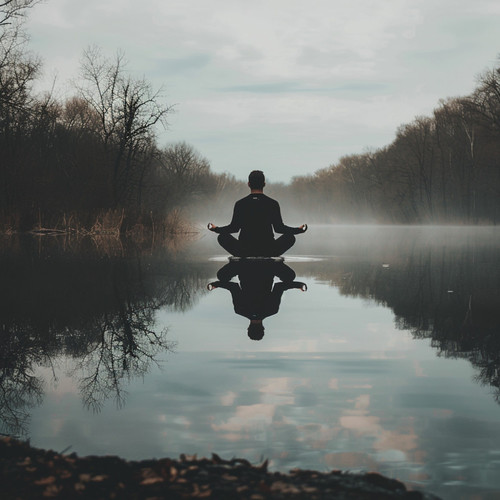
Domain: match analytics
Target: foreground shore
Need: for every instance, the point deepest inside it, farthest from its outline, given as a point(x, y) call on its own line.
point(28, 472)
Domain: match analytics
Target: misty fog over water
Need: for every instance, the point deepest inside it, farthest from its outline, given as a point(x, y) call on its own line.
point(388, 362)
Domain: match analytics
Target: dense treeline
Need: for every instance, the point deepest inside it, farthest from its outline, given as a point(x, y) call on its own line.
point(442, 168)
point(67, 163)
point(92, 161)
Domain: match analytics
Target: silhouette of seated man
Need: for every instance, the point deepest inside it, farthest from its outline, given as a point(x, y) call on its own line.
point(256, 216)
point(256, 296)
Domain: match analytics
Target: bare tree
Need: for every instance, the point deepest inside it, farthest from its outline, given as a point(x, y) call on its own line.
point(184, 172)
point(486, 98)
point(128, 110)
point(17, 68)
point(12, 11)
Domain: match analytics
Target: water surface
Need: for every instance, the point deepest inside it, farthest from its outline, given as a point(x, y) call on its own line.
point(388, 362)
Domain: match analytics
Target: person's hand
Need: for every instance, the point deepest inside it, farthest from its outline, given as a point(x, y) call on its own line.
point(211, 227)
point(303, 228)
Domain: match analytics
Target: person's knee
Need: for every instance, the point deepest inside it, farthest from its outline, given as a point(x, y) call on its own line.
point(284, 272)
point(226, 241)
point(290, 240)
point(283, 243)
point(225, 273)
point(229, 243)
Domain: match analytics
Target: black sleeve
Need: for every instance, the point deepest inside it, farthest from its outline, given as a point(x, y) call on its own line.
point(235, 225)
point(274, 301)
point(278, 225)
point(233, 287)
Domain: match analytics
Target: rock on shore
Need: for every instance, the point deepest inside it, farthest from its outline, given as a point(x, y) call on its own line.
point(28, 472)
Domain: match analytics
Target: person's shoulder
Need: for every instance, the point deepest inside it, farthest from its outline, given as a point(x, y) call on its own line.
point(242, 200)
point(271, 201)
point(260, 196)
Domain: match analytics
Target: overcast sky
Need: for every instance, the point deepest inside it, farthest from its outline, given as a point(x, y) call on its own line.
point(286, 86)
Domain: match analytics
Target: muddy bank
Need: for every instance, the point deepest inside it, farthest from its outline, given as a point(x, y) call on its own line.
point(27, 472)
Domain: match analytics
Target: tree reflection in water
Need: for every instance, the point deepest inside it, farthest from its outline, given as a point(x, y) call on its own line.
point(442, 287)
point(20, 389)
point(99, 309)
point(124, 344)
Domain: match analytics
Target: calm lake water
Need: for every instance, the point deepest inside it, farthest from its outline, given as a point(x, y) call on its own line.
point(389, 361)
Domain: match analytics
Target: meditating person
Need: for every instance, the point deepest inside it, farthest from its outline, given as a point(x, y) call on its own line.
point(257, 217)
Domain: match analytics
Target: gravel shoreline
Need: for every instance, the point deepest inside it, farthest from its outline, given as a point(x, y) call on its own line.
point(28, 472)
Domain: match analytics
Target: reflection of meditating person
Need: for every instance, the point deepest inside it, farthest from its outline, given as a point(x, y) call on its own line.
point(255, 216)
point(256, 296)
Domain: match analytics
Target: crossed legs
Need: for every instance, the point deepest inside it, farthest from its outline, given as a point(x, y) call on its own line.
point(273, 249)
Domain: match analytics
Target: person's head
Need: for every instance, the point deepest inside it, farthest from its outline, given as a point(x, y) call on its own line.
point(255, 329)
point(256, 179)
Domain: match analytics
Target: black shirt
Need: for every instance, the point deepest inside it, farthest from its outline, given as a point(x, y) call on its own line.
point(256, 216)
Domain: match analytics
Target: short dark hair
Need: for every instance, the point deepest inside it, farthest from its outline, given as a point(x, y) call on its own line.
point(255, 331)
point(256, 179)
